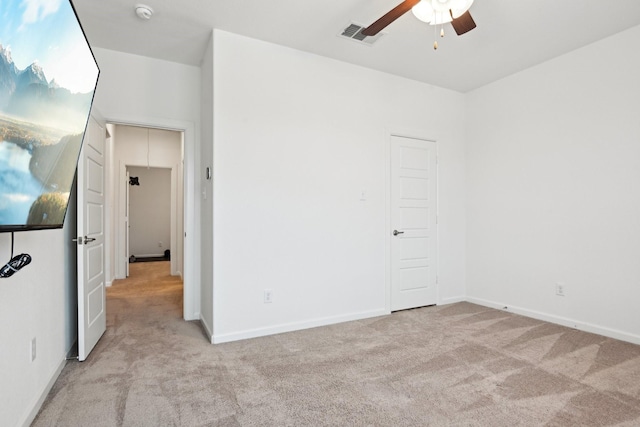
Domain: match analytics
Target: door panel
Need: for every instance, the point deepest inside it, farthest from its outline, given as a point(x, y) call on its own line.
point(413, 217)
point(91, 199)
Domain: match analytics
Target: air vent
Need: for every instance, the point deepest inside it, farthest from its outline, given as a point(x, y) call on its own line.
point(354, 32)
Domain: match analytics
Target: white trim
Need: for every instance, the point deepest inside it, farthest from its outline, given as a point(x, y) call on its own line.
point(564, 321)
point(43, 395)
point(207, 329)
point(148, 256)
point(452, 300)
point(174, 226)
point(191, 254)
point(295, 326)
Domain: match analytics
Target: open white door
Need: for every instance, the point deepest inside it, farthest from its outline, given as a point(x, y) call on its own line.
point(90, 236)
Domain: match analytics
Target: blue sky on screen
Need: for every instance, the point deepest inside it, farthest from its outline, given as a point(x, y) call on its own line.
point(47, 32)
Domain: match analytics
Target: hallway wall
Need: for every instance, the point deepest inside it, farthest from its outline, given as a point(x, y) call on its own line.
point(150, 211)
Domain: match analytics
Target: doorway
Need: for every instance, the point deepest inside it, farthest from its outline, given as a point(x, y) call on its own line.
point(187, 239)
point(154, 154)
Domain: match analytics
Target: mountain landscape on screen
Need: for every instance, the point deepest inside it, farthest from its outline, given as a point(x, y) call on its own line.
point(41, 127)
point(48, 76)
point(26, 94)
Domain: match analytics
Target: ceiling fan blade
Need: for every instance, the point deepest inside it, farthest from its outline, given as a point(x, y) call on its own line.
point(463, 23)
point(389, 17)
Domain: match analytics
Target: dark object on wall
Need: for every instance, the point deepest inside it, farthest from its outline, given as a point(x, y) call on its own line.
point(44, 111)
point(134, 180)
point(167, 254)
point(15, 264)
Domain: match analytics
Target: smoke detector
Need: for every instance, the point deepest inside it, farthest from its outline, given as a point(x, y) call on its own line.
point(143, 11)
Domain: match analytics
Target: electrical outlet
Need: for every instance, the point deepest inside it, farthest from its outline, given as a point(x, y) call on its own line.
point(560, 289)
point(268, 296)
point(159, 244)
point(33, 349)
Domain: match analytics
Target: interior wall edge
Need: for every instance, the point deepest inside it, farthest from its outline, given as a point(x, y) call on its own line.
point(207, 329)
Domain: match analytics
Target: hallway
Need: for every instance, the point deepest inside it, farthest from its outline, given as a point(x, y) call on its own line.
point(135, 370)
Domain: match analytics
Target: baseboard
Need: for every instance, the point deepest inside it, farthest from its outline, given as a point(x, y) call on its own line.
point(193, 316)
point(149, 255)
point(43, 395)
point(452, 300)
point(295, 326)
point(207, 329)
point(108, 284)
point(564, 321)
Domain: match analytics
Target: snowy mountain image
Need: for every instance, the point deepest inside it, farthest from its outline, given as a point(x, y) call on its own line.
point(41, 129)
point(26, 94)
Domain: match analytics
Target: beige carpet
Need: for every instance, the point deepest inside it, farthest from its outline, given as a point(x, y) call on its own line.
point(461, 365)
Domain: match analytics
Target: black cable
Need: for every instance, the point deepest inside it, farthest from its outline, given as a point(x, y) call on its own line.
point(16, 263)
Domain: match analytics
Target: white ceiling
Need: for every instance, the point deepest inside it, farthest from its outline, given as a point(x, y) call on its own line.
point(512, 35)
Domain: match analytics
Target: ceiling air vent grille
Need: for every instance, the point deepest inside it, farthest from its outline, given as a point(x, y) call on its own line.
point(354, 32)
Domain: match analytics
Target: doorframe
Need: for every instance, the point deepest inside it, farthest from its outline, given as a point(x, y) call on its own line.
point(127, 224)
point(412, 134)
point(191, 206)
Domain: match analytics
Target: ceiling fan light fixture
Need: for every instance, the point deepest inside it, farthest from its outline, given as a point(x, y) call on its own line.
point(423, 11)
point(459, 7)
point(437, 12)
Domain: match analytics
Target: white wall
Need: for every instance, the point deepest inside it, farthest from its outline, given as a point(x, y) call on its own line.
point(150, 211)
point(297, 137)
point(135, 146)
point(553, 194)
point(38, 301)
point(206, 160)
point(137, 88)
point(143, 91)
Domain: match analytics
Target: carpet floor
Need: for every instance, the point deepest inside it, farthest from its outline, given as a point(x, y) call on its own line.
point(454, 365)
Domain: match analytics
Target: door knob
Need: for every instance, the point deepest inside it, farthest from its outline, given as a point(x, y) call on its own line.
point(396, 232)
point(83, 240)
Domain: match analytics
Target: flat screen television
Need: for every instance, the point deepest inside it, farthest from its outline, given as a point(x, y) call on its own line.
point(48, 76)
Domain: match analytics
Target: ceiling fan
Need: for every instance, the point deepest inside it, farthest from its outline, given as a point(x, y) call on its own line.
point(434, 12)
